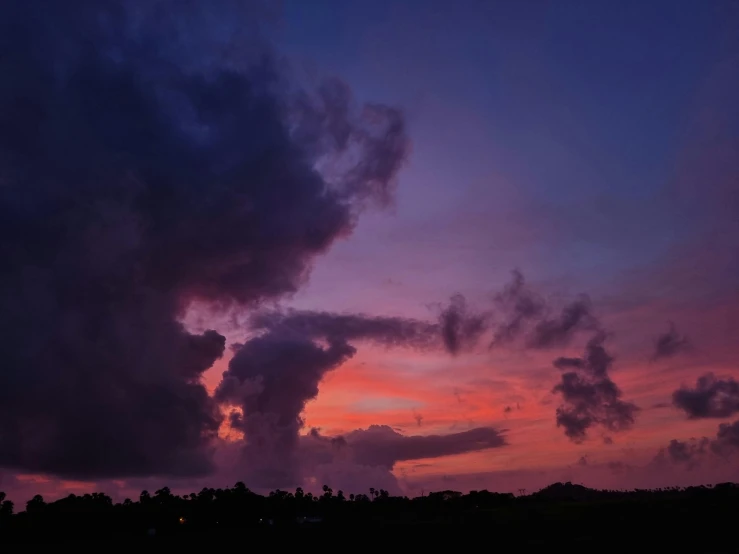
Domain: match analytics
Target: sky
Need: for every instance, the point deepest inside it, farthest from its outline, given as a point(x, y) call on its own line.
point(415, 245)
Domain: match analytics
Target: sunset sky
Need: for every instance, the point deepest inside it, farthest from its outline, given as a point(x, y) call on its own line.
point(584, 148)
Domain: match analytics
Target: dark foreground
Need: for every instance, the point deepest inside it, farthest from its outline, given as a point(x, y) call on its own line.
point(699, 519)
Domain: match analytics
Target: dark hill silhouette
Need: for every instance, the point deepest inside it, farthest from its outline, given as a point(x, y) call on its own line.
point(560, 514)
point(568, 492)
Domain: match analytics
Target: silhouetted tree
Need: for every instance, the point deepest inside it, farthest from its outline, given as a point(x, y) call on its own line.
point(6, 506)
point(36, 505)
point(558, 512)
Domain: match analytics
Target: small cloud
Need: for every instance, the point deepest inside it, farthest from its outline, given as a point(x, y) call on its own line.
point(618, 468)
point(669, 344)
point(710, 398)
point(458, 395)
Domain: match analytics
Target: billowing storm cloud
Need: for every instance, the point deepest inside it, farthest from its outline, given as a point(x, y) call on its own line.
point(270, 379)
point(144, 165)
point(275, 373)
point(366, 457)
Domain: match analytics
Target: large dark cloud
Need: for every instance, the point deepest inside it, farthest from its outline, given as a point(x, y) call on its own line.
point(669, 344)
point(151, 154)
point(710, 398)
point(589, 395)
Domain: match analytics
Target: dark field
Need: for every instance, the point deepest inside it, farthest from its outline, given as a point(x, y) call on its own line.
point(701, 519)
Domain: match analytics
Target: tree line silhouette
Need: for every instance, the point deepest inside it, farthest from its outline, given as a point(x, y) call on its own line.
point(563, 511)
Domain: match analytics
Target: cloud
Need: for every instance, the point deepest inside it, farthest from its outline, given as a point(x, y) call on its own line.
point(365, 457)
point(557, 331)
point(727, 439)
point(617, 467)
point(387, 331)
point(691, 453)
point(380, 445)
point(669, 344)
point(274, 374)
point(711, 398)
point(589, 395)
point(281, 372)
point(354, 478)
point(684, 452)
point(145, 165)
point(520, 305)
point(528, 315)
point(688, 453)
point(459, 327)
